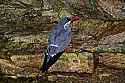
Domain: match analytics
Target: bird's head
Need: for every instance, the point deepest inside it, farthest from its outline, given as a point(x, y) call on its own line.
point(71, 20)
point(74, 18)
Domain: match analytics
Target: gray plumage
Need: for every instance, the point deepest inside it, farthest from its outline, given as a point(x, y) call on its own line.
point(59, 39)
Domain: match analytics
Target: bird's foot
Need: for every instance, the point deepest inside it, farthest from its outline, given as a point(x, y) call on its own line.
point(77, 53)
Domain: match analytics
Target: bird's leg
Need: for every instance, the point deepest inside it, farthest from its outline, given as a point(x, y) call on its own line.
point(82, 50)
point(77, 53)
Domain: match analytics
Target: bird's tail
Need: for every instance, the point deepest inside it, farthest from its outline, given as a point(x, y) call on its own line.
point(50, 62)
point(44, 66)
point(54, 59)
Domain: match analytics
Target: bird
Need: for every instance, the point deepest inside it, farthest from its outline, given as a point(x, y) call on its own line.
point(58, 41)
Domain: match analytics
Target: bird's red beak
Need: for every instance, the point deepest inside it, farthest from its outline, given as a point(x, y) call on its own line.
point(74, 18)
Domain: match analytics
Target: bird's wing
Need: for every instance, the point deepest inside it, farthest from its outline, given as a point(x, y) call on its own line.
point(59, 38)
point(52, 36)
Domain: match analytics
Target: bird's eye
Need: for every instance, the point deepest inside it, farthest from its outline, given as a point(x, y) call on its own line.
point(68, 19)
